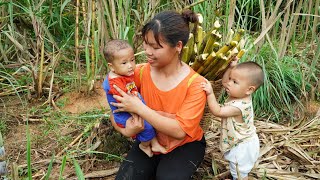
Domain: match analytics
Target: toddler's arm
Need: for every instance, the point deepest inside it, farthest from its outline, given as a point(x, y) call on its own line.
point(214, 106)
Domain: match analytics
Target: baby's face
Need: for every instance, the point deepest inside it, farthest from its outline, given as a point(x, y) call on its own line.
point(124, 62)
point(238, 84)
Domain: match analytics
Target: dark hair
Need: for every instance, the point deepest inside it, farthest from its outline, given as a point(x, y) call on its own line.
point(256, 73)
point(114, 46)
point(171, 26)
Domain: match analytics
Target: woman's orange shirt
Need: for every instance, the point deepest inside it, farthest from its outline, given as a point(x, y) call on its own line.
point(185, 102)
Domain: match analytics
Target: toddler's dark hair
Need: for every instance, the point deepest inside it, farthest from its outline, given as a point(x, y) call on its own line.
point(255, 72)
point(114, 46)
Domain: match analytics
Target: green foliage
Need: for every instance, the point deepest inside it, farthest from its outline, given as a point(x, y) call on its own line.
point(63, 165)
point(9, 85)
point(78, 170)
point(285, 84)
point(49, 168)
point(3, 126)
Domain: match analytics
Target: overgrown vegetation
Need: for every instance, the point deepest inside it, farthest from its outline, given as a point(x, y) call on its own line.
point(36, 44)
point(48, 48)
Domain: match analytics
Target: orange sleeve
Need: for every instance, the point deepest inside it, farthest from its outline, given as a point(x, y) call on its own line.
point(137, 73)
point(191, 111)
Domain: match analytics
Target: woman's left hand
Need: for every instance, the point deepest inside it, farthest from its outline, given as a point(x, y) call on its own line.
point(127, 102)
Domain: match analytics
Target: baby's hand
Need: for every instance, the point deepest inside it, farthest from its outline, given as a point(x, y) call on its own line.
point(206, 86)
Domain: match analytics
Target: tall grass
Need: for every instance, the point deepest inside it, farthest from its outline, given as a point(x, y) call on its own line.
point(29, 152)
point(67, 33)
point(287, 82)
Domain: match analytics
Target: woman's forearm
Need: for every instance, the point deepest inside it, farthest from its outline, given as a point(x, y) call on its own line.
point(121, 130)
point(161, 123)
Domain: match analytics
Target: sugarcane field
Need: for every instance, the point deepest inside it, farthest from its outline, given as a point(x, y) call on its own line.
point(56, 118)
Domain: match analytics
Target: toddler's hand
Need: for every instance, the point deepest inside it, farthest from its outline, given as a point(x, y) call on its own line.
point(206, 86)
point(234, 62)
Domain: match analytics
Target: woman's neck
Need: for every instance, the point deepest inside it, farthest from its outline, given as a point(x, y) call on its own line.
point(168, 77)
point(171, 69)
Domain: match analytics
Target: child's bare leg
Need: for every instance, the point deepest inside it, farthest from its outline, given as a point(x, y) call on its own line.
point(146, 148)
point(156, 147)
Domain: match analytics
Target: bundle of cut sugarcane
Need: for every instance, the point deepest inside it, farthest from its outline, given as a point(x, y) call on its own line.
point(205, 52)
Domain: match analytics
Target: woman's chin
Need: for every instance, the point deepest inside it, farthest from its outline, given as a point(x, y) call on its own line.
point(150, 60)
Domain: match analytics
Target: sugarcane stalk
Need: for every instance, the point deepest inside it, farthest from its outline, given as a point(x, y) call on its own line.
point(93, 57)
point(77, 56)
point(198, 30)
point(220, 70)
point(241, 44)
point(208, 65)
point(234, 42)
point(199, 61)
point(84, 12)
point(208, 41)
point(210, 59)
point(185, 52)
point(190, 45)
point(221, 59)
point(194, 52)
point(215, 47)
point(199, 36)
point(230, 35)
point(200, 18)
point(40, 80)
point(241, 53)
point(238, 35)
point(211, 40)
point(216, 25)
point(202, 45)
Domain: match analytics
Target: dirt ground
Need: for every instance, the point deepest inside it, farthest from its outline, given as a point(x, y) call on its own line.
point(46, 142)
point(48, 138)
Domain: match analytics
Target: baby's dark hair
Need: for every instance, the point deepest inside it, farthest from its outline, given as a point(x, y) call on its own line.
point(255, 72)
point(171, 26)
point(114, 46)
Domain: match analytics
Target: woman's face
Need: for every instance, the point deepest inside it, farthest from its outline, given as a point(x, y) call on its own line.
point(159, 56)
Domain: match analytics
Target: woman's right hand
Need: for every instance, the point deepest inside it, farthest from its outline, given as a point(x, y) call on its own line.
point(134, 125)
point(126, 102)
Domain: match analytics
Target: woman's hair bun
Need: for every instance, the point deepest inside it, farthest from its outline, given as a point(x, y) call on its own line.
point(190, 16)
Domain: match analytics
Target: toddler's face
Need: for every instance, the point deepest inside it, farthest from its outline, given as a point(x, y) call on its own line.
point(124, 62)
point(238, 84)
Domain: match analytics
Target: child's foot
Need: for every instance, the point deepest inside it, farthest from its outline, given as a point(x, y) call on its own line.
point(156, 147)
point(146, 149)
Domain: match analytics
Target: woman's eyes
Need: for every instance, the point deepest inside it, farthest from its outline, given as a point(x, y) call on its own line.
point(152, 46)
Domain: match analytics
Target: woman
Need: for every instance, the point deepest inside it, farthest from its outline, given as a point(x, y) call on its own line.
point(175, 103)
